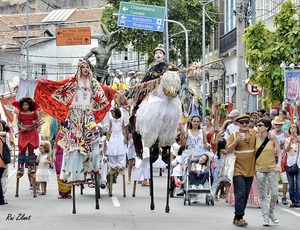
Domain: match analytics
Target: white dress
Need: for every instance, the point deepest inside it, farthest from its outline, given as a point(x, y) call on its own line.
point(158, 117)
point(43, 172)
point(116, 144)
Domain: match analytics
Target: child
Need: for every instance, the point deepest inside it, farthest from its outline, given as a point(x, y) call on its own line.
point(177, 171)
point(43, 160)
point(130, 155)
point(28, 138)
point(200, 170)
point(116, 150)
point(224, 180)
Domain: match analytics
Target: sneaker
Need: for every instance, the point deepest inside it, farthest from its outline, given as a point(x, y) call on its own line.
point(21, 171)
point(266, 222)
point(273, 218)
point(240, 223)
point(32, 170)
point(293, 205)
point(200, 186)
point(283, 200)
point(30, 187)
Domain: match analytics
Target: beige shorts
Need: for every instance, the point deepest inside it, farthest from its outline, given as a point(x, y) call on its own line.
point(284, 178)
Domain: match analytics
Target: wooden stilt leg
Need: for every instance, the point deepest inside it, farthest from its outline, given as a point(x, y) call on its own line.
point(124, 186)
point(111, 173)
point(167, 209)
point(134, 189)
point(74, 204)
point(152, 206)
point(17, 183)
point(97, 189)
point(33, 176)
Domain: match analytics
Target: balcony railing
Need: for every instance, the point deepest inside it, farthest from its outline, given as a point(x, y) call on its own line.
point(227, 41)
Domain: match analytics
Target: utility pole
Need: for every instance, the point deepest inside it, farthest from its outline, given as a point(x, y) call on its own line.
point(240, 54)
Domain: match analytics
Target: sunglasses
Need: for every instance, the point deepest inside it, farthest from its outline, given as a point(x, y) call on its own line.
point(244, 122)
point(260, 125)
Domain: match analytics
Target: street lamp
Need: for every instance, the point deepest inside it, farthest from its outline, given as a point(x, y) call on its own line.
point(203, 62)
point(186, 41)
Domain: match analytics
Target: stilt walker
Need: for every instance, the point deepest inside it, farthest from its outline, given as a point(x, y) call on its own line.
point(28, 138)
point(157, 120)
point(80, 102)
point(116, 149)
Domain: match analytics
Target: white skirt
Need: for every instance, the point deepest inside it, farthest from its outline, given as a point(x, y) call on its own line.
point(116, 146)
point(157, 119)
point(42, 175)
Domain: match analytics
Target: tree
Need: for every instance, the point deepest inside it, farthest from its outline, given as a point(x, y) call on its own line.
point(187, 12)
point(265, 51)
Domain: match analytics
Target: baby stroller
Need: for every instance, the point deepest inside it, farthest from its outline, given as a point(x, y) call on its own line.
point(194, 192)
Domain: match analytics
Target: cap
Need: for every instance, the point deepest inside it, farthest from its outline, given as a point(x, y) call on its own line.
point(243, 117)
point(278, 121)
point(160, 47)
point(234, 113)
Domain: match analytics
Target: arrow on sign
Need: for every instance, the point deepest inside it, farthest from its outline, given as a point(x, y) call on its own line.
point(59, 33)
point(123, 17)
point(158, 27)
point(86, 40)
point(124, 8)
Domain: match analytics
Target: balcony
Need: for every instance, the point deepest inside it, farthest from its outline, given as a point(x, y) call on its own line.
point(227, 41)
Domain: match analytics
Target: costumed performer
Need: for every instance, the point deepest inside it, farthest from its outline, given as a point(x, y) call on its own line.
point(158, 115)
point(155, 72)
point(116, 149)
point(81, 102)
point(28, 137)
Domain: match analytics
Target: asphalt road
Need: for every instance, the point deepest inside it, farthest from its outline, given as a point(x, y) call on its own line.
point(118, 212)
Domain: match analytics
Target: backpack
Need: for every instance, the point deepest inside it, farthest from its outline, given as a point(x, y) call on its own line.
point(6, 157)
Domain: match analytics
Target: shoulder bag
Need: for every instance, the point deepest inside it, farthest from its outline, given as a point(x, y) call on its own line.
point(261, 147)
point(293, 169)
point(230, 162)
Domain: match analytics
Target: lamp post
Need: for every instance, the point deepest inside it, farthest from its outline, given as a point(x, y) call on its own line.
point(27, 56)
point(203, 62)
point(186, 41)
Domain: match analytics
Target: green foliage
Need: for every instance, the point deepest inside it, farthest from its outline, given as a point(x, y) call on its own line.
point(265, 50)
point(188, 12)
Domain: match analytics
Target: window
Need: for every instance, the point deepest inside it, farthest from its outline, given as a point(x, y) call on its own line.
point(114, 55)
point(1, 73)
point(43, 70)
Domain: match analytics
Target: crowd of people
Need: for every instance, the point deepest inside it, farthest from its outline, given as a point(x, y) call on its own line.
point(265, 144)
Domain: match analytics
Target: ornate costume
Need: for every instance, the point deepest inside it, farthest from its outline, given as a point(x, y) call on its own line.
point(81, 107)
point(158, 116)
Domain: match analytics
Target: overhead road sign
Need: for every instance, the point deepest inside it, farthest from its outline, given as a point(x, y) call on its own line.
point(140, 16)
point(73, 36)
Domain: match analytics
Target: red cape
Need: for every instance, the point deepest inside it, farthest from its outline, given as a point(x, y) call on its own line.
point(43, 97)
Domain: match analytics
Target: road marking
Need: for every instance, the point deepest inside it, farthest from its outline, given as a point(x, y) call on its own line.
point(295, 213)
point(115, 201)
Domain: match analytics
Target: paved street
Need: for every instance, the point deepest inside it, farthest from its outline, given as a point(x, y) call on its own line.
point(48, 212)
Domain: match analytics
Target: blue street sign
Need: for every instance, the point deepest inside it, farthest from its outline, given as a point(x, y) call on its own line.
point(140, 16)
point(145, 23)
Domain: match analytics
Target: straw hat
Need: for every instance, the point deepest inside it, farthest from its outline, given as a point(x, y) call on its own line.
point(278, 121)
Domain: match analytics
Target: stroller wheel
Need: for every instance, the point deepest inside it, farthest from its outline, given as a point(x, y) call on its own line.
point(212, 200)
point(207, 199)
point(185, 200)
